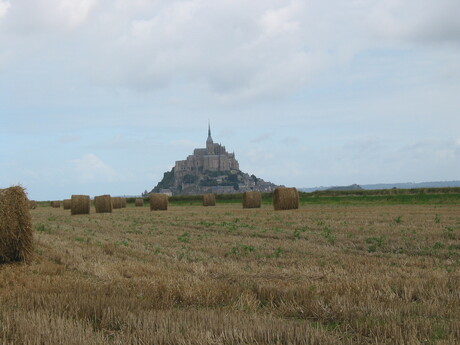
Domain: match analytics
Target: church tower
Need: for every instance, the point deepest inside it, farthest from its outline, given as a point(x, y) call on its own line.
point(209, 142)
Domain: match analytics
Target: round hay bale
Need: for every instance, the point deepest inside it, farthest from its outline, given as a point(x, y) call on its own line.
point(103, 203)
point(66, 203)
point(56, 204)
point(123, 202)
point(32, 204)
point(16, 238)
point(252, 200)
point(158, 202)
point(116, 202)
point(209, 200)
point(285, 199)
point(139, 202)
point(79, 204)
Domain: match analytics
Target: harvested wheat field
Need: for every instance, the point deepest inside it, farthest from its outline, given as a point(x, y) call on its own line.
point(322, 274)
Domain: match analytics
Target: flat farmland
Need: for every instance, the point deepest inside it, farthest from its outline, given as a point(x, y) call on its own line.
point(323, 274)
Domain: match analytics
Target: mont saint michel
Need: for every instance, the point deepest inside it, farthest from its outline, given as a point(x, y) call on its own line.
point(210, 170)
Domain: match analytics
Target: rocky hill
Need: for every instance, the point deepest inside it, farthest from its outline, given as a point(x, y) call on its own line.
point(219, 182)
point(345, 188)
point(406, 185)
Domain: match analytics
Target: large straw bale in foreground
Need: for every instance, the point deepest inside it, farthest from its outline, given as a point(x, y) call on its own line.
point(67, 204)
point(103, 203)
point(209, 200)
point(285, 199)
point(79, 204)
point(252, 200)
point(15, 226)
point(56, 204)
point(158, 202)
point(139, 202)
point(116, 202)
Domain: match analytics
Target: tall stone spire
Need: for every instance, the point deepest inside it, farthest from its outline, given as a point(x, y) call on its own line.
point(209, 140)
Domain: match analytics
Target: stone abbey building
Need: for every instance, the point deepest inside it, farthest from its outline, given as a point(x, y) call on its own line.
point(209, 170)
point(212, 158)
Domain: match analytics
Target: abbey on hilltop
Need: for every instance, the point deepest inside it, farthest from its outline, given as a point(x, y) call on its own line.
point(212, 158)
point(209, 170)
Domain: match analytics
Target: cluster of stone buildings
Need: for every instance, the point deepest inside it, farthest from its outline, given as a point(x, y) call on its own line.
point(210, 170)
point(212, 158)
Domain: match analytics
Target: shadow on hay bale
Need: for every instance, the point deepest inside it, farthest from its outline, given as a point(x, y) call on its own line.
point(16, 240)
point(103, 203)
point(252, 200)
point(209, 200)
point(139, 202)
point(79, 204)
point(158, 202)
point(285, 199)
point(56, 204)
point(67, 204)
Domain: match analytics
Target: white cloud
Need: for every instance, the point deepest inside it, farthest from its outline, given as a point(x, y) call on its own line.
point(91, 168)
point(428, 21)
point(239, 50)
point(75, 12)
point(235, 50)
point(279, 21)
point(4, 6)
point(48, 16)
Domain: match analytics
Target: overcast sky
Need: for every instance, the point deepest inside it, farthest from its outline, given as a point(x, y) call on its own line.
point(103, 96)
